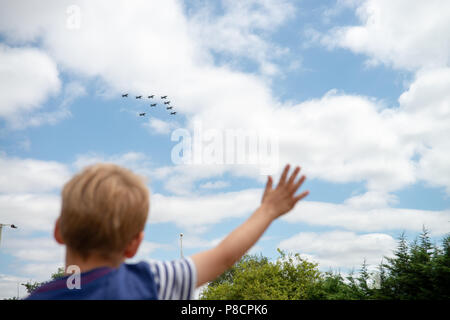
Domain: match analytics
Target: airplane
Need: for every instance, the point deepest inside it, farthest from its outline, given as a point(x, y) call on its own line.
point(142, 114)
point(163, 97)
point(138, 97)
point(153, 105)
point(167, 102)
point(173, 113)
point(168, 108)
point(150, 97)
point(125, 95)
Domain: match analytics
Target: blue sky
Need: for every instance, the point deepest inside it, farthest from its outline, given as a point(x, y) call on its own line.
point(353, 96)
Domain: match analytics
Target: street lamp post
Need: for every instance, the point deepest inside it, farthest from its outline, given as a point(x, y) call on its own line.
point(5, 225)
point(181, 245)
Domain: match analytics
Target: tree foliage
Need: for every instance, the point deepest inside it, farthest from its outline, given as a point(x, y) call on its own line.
point(417, 270)
point(31, 286)
point(255, 277)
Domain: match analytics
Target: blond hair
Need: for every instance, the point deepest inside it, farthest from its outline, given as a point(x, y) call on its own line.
point(103, 209)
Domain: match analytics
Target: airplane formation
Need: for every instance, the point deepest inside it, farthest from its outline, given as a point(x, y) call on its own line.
point(167, 103)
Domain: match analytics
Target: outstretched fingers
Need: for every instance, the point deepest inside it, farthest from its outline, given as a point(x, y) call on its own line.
point(289, 184)
point(282, 181)
point(300, 196)
point(295, 188)
point(293, 176)
point(298, 184)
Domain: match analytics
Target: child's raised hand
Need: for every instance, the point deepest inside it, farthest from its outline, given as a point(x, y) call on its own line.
point(213, 262)
point(282, 199)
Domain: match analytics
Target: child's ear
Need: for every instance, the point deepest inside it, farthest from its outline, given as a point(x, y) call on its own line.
point(57, 233)
point(133, 246)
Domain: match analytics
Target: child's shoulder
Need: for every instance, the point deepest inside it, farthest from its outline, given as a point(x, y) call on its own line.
point(128, 281)
point(175, 279)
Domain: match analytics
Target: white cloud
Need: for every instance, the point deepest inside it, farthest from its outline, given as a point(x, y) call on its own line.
point(28, 76)
point(423, 121)
point(145, 249)
point(344, 138)
point(363, 213)
point(19, 175)
point(214, 185)
point(339, 249)
point(196, 213)
point(72, 91)
point(30, 212)
point(11, 286)
point(371, 200)
point(144, 57)
point(434, 166)
point(41, 271)
point(138, 162)
point(23, 21)
point(242, 30)
point(37, 257)
point(405, 34)
point(36, 250)
point(339, 138)
point(193, 241)
point(180, 179)
point(358, 216)
point(160, 126)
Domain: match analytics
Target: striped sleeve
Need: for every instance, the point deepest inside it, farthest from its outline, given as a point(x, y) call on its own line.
point(175, 280)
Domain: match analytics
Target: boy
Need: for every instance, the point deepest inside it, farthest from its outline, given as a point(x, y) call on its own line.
point(103, 215)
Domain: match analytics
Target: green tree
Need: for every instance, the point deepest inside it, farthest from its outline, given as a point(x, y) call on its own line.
point(381, 292)
point(334, 287)
point(397, 283)
point(420, 281)
point(58, 274)
point(255, 277)
point(31, 286)
point(440, 270)
point(419, 270)
point(364, 289)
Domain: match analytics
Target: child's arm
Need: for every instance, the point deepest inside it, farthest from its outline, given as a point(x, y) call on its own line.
point(276, 202)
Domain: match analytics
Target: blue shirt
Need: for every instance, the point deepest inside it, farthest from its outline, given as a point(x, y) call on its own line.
point(167, 280)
